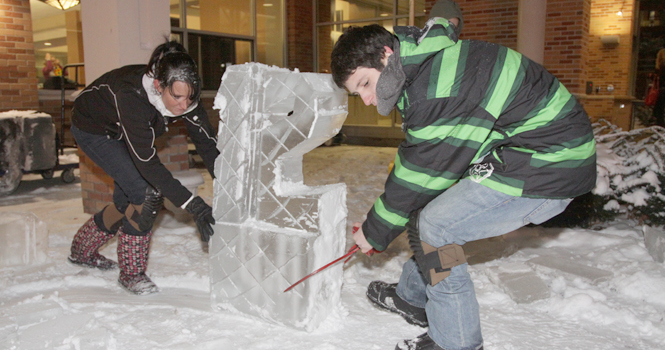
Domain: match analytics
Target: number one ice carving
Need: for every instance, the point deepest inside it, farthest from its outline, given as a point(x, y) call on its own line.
point(271, 229)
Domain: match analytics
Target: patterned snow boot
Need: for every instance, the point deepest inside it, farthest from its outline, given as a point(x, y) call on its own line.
point(86, 244)
point(133, 260)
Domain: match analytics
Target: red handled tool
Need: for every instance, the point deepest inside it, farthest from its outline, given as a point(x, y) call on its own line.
point(348, 255)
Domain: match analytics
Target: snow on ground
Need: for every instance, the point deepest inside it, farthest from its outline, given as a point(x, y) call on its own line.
point(619, 303)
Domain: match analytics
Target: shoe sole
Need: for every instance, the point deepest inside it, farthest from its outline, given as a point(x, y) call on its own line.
point(80, 263)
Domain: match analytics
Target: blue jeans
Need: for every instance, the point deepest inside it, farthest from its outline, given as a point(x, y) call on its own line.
point(466, 212)
point(113, 157)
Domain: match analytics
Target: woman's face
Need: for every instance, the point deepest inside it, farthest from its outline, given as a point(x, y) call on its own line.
point(176, 99)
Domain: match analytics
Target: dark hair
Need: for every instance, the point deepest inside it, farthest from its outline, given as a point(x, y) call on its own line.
point(169, 63)
point(359, 47)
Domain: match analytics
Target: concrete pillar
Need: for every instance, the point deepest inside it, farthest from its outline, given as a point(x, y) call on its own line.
point(532, 15)
point(74, 44)
point(121, 32)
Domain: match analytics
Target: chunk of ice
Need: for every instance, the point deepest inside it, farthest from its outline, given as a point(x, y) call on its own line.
point(520, 282)
point(23, 239)
point(654, 240)
point(271, 229)
point(591, 273)
point(51, 333)
point(34, 312)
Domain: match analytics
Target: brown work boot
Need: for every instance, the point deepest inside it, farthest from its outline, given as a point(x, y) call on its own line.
point(86, 244)
point(133, 260)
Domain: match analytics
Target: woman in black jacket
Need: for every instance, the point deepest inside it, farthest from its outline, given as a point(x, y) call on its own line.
point(115, 122)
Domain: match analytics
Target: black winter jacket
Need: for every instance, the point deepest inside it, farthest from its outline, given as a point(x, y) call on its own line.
point(117, 105)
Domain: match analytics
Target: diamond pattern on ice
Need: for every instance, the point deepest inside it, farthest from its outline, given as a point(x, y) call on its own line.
point(271, 229)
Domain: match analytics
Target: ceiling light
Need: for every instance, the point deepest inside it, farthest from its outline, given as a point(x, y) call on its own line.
point(47, 44)
point(61, 4)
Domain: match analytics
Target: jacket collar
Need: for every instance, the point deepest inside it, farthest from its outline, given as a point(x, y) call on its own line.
point(155, 98)
point(390, 83)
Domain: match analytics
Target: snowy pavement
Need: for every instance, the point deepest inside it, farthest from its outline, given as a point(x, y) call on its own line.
point(537, 288)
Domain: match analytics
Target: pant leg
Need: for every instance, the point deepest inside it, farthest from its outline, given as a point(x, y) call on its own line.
point(467, 212)
point(113, 157)
point(412, 286)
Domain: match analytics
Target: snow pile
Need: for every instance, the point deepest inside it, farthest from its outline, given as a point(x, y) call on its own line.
point(631, 169)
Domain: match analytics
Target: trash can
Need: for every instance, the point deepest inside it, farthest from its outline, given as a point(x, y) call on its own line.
point(27, 144)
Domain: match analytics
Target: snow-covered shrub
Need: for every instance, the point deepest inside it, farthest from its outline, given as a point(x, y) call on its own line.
point(631, 169)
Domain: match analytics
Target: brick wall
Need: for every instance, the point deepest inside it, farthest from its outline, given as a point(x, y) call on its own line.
point(18, 79)
point(566, 38)
point(300, 40)
point(490, 20)
point(609, 65)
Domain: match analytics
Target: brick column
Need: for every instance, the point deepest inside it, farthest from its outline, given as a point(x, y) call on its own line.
point(18, 79)
point(97, 186)
point(300, 40)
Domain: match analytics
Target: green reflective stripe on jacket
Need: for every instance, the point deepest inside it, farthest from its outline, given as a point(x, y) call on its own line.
point(413, 52)
point(504, 184)
point(552, 108)
point(418, 178)
point(443, 83)
point(507, 77)
point(582, 152)
point(389, 216)
point(462, 132)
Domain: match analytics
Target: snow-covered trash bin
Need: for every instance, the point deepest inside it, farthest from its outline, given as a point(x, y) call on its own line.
point(271, 229)
point(23, 239)
point(27, 141)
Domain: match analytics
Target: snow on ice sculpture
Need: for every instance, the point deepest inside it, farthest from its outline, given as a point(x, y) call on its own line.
point(271, 229)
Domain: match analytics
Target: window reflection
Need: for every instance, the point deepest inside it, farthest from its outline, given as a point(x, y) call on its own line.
point(334, 16)
point(58, 41)
point(222, 32)
point(221, 16)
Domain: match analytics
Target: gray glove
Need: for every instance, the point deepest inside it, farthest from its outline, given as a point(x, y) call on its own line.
point(202, 213)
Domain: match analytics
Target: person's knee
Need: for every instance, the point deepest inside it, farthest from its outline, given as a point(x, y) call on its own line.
point(434, 262)
point(141, 217)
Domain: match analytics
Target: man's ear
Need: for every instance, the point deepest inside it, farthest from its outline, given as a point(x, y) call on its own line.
point(386, 54)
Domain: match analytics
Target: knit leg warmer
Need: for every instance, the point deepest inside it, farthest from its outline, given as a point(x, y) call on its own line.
point(86, 244)
point(133, 261)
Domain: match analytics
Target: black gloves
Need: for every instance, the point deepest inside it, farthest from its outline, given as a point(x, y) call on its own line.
point(202, 213)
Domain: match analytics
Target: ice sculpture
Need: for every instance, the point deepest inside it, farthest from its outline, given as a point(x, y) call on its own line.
point(23, 239)
point(271, 229)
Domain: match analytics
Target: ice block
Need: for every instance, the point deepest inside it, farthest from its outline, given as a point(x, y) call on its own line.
point(271, 229)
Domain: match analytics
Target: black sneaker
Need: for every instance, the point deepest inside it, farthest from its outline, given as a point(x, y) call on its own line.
point(421, 342)
point(385, 296)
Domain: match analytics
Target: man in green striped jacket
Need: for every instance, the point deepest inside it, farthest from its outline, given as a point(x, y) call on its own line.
point(493, 142)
